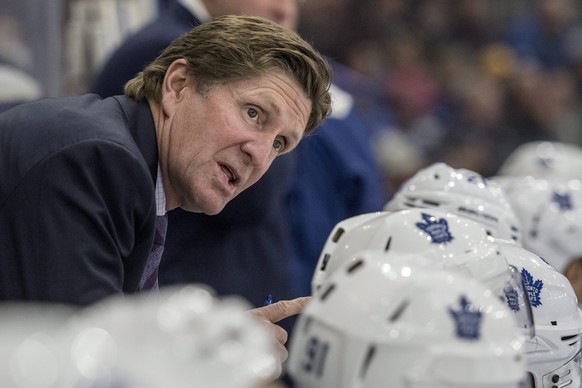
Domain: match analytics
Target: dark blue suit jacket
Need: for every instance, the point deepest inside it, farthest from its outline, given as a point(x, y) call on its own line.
point(77, 206)
point(244, 250)
point(337, 178)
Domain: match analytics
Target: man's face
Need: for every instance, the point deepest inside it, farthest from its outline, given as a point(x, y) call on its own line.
point(220, 143)
point(283, 12)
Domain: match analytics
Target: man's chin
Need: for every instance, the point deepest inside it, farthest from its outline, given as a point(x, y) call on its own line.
point(209, 209)
point(213, 212)
point(209, 204)
point(212, 209)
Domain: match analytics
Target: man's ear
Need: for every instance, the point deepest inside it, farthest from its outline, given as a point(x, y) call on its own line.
point(574, 268)
point(175, 81)
point(573, 272)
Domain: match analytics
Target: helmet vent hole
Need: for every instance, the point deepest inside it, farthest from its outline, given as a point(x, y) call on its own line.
point(327, 292)
point(430, 203)
point(572, 339)
point(356, 265)
point(387, 247)
point(569, 337)
point(399, 310)
point(367, 361)
point(436, 176)
point(325, 261)
point(307, 324)
point(338, 233)
point(554, 323)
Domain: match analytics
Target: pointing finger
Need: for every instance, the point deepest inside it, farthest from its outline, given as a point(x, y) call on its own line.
point(282, 309)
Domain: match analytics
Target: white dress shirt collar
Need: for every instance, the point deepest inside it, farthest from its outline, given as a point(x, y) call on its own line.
point(160, 195)
point(198, 9)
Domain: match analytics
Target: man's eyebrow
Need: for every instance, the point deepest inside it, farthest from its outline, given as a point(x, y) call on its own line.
point(276, 108)
point(296, 139)
point(272, 106)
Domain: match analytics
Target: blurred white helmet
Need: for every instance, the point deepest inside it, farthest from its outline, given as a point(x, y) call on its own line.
point(462, 192)
point(31, 352)
point(404, 324)
point(553, 354)
point(550, 213)
point(544, 159)
point(185, 337)
point(446, 240)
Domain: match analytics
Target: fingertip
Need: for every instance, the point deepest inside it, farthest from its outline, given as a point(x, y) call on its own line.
point(304, 300)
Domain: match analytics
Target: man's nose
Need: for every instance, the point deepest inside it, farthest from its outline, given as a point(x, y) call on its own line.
point(259, 150)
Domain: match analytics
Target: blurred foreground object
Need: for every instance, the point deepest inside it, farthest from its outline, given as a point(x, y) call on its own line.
point(183, 337)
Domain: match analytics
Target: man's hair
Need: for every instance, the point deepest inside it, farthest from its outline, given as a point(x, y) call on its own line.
point(235, 48)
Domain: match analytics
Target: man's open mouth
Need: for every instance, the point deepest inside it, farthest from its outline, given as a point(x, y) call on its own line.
point(231, 175)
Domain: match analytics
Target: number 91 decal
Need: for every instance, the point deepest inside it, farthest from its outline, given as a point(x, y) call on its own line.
point(316, 352)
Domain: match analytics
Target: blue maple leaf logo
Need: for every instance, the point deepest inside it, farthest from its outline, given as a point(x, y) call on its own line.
point(564, 201)
point(533, 288)
point(476, 178)
point(467, 320)
point(545, 162)
point(437, 230)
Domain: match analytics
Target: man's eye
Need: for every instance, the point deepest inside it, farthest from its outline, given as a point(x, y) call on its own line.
point(252, 113)
point(278, 145)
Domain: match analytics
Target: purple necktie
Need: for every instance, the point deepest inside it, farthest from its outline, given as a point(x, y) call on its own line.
point(149, 279)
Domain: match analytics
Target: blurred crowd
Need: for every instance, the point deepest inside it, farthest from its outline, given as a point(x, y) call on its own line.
point(458, 81)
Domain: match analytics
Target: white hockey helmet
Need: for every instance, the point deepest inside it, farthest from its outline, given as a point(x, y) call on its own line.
point(404, 324)
point(544, 159)
point(553, 354)
point(550, 213)
point(363, 226)
point(183, 337)
point(449, 241)
point(444, 236)
point(462, 192)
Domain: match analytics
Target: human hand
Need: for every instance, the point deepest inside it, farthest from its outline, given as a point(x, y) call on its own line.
point(273, 313)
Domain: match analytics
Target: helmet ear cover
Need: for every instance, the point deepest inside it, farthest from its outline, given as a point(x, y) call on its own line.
point(557, 318)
